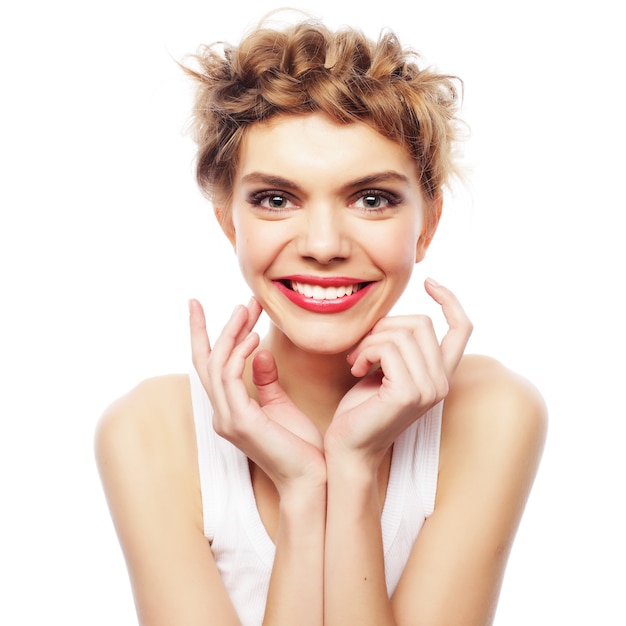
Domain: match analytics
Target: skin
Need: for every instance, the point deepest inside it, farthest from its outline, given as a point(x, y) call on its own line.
point(320, 445)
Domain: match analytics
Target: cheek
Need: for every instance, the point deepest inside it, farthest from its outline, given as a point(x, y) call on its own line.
point(395, 254)
point(250, 259)
point(257, 248)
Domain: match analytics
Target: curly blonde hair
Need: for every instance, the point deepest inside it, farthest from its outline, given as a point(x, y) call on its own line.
point(306, 68)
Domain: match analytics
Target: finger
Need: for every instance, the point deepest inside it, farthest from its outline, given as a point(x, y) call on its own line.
point(265, 377)
point(200, 345)
point(369, 350)
point(236, 329)
point(201, 351)
point(254, 311)
point(420, 359)
point(421, 330)
point(220, 365)
point(399, 385)
point(460, 327)
point(234, 390)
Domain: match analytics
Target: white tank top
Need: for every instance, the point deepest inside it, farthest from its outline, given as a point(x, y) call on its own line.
point(243, 550)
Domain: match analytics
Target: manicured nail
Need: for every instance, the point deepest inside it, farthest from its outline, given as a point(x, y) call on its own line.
point(433, 282)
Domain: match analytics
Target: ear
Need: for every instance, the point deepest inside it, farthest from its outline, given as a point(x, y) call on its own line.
point(225, 220)
point(431, 221)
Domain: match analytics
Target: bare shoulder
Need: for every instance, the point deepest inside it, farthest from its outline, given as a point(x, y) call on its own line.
point(495, 415)
point(160, 396)
point(156, 409)
point(493, 431)
point(145, 440)
point(483, 389)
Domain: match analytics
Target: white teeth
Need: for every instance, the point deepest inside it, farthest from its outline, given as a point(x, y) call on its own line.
point(318, 292)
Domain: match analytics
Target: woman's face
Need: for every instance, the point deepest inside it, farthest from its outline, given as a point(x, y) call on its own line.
point(327, 224)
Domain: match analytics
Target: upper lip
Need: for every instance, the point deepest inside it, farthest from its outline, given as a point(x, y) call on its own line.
point(323, 281)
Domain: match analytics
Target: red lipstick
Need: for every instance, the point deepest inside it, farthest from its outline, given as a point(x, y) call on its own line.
point(324, 305)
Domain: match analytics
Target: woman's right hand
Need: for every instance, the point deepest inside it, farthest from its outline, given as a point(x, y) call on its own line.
point(272, 432)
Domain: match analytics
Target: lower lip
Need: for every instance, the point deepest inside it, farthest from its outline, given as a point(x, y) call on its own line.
point(337, 305)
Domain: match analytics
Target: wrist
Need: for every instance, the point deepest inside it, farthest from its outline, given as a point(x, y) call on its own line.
point(303, 496)
point(352, 478)
point(351, 463)
point(300, 512)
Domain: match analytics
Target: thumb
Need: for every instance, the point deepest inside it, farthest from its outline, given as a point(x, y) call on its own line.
point(265, 378)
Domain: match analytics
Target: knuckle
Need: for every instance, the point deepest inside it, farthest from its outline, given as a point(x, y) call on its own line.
point(443, 389)
point(423, 321)
point(219, 426)
point(197, 363)
point(227, 372)
point(420, 395)
point(404, 335)
point(227, 428)
point(429, 394)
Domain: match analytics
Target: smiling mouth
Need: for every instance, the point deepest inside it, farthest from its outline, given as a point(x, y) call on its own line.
point(317, 292)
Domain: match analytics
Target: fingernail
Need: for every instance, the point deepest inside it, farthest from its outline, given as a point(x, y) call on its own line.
point(433, 282)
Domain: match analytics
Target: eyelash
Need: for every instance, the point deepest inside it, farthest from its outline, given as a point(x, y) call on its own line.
point(392, 200)
point(257, 198)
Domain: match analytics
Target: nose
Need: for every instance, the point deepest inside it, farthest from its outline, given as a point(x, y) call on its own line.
point(323, 237)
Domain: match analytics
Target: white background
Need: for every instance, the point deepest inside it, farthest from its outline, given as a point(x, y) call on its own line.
point(104, 237)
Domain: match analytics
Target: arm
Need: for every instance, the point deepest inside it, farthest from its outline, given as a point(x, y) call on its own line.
point(411, 375)
point(295, 593)
point(147, 459)
point(354, 581)
point(493, 434)
point(284, 444)
point(146, 455)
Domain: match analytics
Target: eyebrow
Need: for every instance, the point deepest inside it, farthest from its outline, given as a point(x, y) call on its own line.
point(284, 183)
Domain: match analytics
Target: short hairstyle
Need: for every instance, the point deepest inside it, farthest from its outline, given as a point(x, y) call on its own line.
point(307, 68)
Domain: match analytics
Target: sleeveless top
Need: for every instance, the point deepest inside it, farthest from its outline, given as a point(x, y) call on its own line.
point(244, 552)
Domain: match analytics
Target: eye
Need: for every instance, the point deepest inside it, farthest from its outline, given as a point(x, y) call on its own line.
point(372, 201)
point(276, 202)
point(271, 200)
point(376, 201)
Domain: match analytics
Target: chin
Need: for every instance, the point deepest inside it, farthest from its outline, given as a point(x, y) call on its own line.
point(321, 342)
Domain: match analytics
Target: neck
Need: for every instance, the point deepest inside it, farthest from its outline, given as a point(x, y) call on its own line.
point(315, 382)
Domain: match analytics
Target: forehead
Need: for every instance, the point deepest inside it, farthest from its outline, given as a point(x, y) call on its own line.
point(314, 148)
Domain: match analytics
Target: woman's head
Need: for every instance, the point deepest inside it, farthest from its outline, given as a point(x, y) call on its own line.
point(307, 68)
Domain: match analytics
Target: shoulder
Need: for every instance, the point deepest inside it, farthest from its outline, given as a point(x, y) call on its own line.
point(156, 408)
point(145, 440)
point(493, 430)
point(147, 457)
point(493, 418)
point(483, 390)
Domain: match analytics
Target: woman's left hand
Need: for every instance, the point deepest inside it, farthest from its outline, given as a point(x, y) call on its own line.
point(405, 371)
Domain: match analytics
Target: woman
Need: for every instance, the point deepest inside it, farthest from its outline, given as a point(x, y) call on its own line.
point(347, 468)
